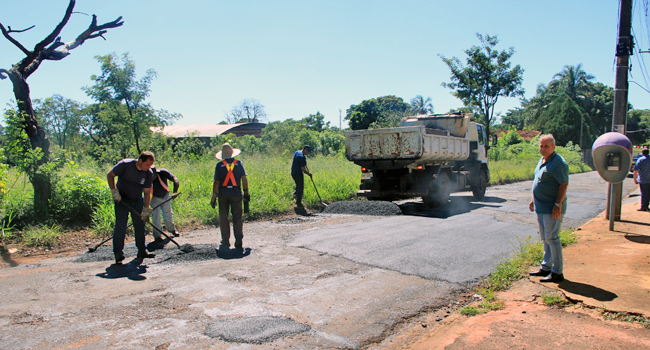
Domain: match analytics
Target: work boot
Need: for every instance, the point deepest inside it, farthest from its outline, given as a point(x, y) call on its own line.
point(144, 255)
point(175, 233)
point(159, 240)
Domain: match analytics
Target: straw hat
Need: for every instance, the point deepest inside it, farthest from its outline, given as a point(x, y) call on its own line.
point(228, 149)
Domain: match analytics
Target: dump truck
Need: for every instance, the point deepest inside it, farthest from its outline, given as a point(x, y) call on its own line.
point(428, 156)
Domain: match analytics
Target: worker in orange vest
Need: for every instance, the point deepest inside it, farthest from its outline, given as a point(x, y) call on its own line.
point(229, 181)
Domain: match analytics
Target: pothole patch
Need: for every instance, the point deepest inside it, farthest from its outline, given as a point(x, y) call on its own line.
point(380, 208)
point(254, 330)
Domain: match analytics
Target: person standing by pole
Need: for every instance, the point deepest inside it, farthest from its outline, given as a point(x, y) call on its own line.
point(229, 181)
point(550, 203)
point(161, 195)
point(642, 178)
point(134, 178)
point(298, 167)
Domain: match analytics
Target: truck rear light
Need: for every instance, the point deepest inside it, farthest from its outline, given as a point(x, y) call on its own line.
point(420, 167)
point(363, 170)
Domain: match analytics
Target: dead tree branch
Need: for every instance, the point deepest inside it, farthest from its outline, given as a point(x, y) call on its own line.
point(6, 32)
point(19, 31)
point(4, 73)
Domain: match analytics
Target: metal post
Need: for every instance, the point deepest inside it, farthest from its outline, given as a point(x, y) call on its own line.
point(612, 194)
point(619, 118)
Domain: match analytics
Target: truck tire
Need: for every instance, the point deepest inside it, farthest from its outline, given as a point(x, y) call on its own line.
point(479, 190)
point(439, 197)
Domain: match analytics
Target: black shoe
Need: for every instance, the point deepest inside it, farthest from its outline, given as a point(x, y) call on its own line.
point(119, 259)
point(553, 277)
point(159, 240)
point(175, 233)
point(540, 272)
point(145, 255)
point(642, 209)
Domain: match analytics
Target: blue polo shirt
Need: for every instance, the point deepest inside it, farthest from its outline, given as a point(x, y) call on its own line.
point(299, 161)
point(549, 176)
point(643, 167)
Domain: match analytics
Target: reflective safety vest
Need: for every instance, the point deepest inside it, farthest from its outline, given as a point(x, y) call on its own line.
point(230, 177)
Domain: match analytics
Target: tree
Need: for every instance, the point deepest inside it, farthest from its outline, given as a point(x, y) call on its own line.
point(561, 118)
point(61, 117)
point(384, 111)
point(248, 111)
point(315, 122)
point(485, 77)
point(122, 98)
point(420, 105)
point(573, 81)
point(49, 49)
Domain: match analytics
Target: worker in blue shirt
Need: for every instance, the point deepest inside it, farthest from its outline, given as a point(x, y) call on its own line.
point(298, 167)
point(642, 178)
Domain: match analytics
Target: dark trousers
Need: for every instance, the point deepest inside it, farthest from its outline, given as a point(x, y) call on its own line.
point(121, 219)
point(234, 203)
point(299, 179)
point(645, 195)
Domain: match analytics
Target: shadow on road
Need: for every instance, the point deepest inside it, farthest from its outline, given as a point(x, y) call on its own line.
point(228, 254)
point(132, 270)
point(457, 205)
point(587, 290)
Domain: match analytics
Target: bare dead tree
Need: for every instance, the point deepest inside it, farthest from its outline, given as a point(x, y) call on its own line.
point(49, 49)
point(249, 110)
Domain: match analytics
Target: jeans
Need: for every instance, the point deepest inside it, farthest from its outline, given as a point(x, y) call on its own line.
point(645, 195)
point(167, 214)
point(233, 202)
point(121, 218)
point(549, 231)
point(300, 187)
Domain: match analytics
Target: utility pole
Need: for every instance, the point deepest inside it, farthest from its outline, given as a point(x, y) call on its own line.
point(619, 120)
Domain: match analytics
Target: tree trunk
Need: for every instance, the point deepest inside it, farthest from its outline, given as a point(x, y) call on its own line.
point(41, 182)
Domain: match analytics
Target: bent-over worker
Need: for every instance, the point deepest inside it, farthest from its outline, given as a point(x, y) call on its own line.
point(229, 181)
point(161, 195)
point(134, 176)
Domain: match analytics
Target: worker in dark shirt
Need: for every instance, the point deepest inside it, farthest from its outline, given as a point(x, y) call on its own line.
point(229, 181)
point(160, 195)
point(134, 176)
point(298, 167)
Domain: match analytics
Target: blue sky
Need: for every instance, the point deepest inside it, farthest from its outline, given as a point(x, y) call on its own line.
point(299, 57)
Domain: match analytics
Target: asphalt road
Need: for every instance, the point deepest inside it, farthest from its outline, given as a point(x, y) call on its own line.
point(317, 282)
point(460, 243)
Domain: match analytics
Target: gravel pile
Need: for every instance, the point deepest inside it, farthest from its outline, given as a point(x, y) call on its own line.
point(170, 255)
point(254, 330)
point(379, 208)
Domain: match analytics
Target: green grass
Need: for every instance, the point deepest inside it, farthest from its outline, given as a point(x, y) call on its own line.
point(512, 270)
point(41, 236)
point(508, 171)
point(554, 299)
point(626, 317)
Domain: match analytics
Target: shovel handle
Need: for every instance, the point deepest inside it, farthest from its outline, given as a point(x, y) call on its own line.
point(152, 225)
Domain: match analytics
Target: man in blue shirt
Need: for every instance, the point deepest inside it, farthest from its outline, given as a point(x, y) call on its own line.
point(298, 167)
point(134, 176)
point(549, 202)
point(642, 178)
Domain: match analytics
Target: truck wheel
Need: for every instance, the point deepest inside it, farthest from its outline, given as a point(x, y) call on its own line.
point(439, 197)
point(479, 190)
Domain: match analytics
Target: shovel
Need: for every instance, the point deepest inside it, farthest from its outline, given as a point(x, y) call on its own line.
point(94, 248)
point(318, 194)
point(186, 248)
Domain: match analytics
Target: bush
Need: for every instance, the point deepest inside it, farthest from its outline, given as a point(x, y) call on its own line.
point(77, 197)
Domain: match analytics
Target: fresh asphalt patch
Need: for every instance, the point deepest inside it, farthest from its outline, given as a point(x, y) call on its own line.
point(170, 254)
point(377, 208)
point(254, 330)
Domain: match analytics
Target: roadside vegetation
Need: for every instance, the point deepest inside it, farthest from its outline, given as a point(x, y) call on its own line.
point(512, 270)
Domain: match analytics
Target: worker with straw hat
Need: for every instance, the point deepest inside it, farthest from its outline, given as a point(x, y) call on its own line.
point(229, 181)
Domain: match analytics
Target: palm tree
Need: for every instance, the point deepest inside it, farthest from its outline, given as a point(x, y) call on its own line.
point(573, 81)
point(420, 105)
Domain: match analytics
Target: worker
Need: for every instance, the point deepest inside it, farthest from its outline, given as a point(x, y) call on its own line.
point(298, 167)
point(161, 195)
point(642, 178)
point(134, 178)
point(229, 181)
point(549, 202)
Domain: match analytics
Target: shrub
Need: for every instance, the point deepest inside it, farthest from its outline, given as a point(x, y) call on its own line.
point(77, 197)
